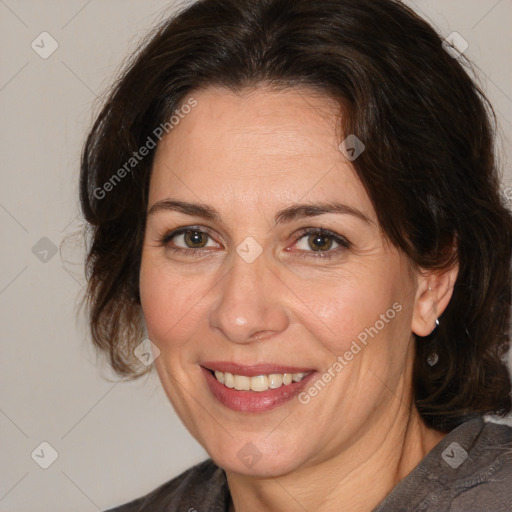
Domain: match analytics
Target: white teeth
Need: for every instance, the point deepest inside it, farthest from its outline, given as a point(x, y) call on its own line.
point(258, 383)
point(242, 383)
point(228, 380)
point(275, 380)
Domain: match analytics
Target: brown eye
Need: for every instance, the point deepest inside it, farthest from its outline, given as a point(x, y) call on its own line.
point(320, 241)
point(195, 239)
point(315, 242)
point(188, 239)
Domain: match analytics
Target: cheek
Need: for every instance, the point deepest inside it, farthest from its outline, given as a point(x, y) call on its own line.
point(171, 305)
point(339, 309)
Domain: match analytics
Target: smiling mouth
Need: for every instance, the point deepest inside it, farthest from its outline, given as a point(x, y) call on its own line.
point(254, 388)
point(257, 383)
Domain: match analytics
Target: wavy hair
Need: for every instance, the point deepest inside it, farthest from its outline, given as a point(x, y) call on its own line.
point(428, 168)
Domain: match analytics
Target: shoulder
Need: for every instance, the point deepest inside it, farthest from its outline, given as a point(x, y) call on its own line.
point(202, 486)
point(483, 479)
point(470, 469)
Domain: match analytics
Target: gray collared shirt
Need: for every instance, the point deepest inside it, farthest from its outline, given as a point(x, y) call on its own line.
point(470, 470)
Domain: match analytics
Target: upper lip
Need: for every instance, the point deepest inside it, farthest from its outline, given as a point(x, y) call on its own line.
point(253, 370)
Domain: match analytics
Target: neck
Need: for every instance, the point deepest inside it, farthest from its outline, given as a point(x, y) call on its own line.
point(357, 479)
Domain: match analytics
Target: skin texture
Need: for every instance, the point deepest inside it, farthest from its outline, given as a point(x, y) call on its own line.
point(249, 155)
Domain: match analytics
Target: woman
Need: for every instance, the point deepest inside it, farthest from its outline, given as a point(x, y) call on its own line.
point(300, 204)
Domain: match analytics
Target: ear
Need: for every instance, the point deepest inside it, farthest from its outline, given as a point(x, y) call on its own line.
point(434, 291)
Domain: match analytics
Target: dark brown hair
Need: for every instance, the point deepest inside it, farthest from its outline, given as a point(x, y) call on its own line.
point(428, 167)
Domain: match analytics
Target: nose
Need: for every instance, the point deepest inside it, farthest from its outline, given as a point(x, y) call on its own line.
point(248, 306)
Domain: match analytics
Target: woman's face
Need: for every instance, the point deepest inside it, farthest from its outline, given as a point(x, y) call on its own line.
point(263, 256)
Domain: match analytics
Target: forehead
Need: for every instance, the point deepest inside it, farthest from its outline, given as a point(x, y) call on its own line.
point(260, 144)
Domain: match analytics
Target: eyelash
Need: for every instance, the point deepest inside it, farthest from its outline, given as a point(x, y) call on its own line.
point(341, 241)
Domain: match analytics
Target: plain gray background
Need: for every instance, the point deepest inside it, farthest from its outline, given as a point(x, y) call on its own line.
point(115, 441)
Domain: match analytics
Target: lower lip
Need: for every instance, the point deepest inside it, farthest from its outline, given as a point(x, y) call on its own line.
point(253, 401)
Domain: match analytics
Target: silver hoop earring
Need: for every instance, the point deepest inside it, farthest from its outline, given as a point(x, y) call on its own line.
point(432, 359)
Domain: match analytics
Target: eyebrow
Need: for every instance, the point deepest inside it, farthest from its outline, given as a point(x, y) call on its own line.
point(287, 214)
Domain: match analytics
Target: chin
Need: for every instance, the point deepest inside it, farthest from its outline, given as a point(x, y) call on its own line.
point(258, 459)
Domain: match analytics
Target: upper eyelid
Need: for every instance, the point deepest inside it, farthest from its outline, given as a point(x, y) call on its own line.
point(172, 233)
